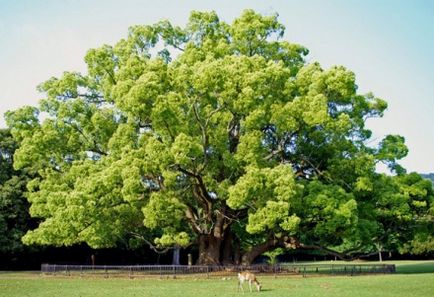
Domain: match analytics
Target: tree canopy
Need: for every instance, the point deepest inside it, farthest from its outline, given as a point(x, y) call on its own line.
point(219, 135)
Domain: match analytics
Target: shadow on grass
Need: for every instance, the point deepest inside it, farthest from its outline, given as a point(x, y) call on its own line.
point(415, 268)
point(255, 291)
point(266, 290)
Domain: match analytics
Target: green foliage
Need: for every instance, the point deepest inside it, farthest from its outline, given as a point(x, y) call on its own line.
point(179, 132)
point(272, 255)
point(391, 148)
point(14, 217)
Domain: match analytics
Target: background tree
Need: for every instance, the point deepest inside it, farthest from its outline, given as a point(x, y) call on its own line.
point(14, 218)
point(218, 135)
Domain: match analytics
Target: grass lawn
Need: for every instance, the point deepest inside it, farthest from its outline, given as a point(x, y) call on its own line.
point(413, 279)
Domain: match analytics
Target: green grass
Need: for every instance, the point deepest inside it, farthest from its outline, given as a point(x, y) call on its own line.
point(413, 279)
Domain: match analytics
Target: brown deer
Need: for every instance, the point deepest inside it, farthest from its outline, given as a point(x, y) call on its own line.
point(250, 277)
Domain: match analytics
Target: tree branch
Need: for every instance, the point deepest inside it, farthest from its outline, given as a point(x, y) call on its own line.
point(328, 251)
point(94, 147)
point(199, 179)
point(220, 222)
point(153, 247)
point(192, 218)
point(203, 128)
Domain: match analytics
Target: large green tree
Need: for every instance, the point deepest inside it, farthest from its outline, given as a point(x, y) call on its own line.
point(215, 134)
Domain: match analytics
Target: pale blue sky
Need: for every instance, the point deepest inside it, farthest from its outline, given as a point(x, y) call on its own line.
point(388, 44)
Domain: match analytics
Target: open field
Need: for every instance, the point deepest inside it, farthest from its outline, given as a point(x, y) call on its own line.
point(413, 279)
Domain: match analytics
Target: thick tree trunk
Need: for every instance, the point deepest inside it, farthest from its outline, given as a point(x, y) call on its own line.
point(258, 250)
point(237, 253)
point(209, 250)
point(227, 249)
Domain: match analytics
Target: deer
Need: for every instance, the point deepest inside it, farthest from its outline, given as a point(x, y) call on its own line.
point(250, 277)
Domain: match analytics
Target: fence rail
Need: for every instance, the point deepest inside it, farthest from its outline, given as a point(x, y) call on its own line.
point(215, 271)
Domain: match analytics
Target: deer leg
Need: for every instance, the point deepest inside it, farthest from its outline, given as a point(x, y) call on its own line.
point(258, 286)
